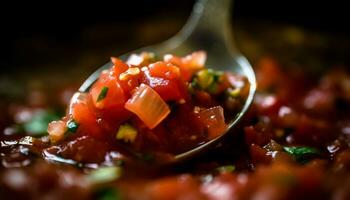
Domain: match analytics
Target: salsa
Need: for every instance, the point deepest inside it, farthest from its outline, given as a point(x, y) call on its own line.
point(292, 144)
point(151, 106)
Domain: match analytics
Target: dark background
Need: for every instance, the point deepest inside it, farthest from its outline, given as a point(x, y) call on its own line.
point(39, 33)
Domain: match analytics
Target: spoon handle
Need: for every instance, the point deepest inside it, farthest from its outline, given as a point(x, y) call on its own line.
point(208, 25)
point(209, 15)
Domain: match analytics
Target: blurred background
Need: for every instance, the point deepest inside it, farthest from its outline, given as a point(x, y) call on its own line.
point(45, 44)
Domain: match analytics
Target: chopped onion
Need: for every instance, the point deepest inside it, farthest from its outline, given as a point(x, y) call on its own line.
point(148, 106)
point(56, 130)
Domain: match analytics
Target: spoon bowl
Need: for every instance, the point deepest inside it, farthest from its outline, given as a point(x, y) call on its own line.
point(209, 29)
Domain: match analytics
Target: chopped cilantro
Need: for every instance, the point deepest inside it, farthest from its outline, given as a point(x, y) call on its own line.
point(37, 125)
point(207, 80)
point(301, 154)
point(102, 94)
point(105, 174)
point(72, 126)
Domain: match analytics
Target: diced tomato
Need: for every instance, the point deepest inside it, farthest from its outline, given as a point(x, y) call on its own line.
point(213, 119)
point(113, 97)
point(164, 70)
point(168, 89)
point(83, 112)
point(56, 130)
point(259, 155)
point(119, 66)
point(188, 65)
point(258, 134)
point(130, 81)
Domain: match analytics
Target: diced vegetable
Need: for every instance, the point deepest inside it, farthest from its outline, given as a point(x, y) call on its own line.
point(119, 66)
point(164, 70)
point(105, 174)
point(226, 169)
point(102, 94)
point(148, 106)
point(189, 64)
point(169, 90)
point(207, 80)
point(107, 93)
point(301, 153)
point(204, 79)
point(127, 133)
point(196, 60)
point(56, 130)
point(83, 112)
point(214, 120)
point(37, 124)
point(72, 126)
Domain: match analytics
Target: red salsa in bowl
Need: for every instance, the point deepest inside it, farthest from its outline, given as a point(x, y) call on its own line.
point(292, 144)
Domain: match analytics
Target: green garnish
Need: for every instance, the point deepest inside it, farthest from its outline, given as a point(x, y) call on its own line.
point(72, 126)
point(102, 94)
point(301, 153)
point(37, 125)
point(105, 174)
point(226, 169)
point(204, 79)
point(127, 133)
point(108, 193)
point(207, 80)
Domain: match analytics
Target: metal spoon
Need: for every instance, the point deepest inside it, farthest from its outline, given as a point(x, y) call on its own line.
point(209, 29)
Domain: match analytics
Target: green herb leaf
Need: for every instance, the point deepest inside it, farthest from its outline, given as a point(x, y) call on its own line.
point(108, 194)
point(301, 153)
point(72, 126)
point(37, 125)
point(102, 94)
point(105, 174)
